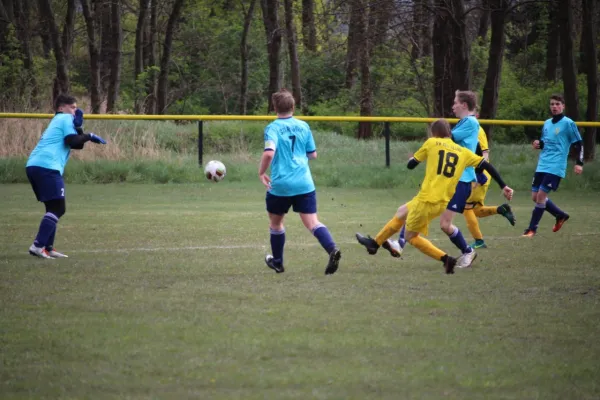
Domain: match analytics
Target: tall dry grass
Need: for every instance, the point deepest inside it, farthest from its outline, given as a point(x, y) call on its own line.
point(18, 137)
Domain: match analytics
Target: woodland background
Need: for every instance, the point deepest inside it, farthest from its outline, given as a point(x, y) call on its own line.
point(338, 57)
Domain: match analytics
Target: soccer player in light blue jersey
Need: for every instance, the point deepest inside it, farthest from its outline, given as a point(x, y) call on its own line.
point(289, 144)
point(46, 165)
point(558, 135)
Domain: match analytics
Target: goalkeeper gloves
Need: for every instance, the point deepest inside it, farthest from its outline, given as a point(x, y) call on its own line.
point(96, 139)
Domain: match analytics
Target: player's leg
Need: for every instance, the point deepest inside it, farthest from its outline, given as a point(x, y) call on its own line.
point(551, 183)
point(417, 223)
point(277, 207)
point(306, 206)
point(458, 204)
point(473, 227)
point(47, 185)
point(391, 228)
point(58, 208)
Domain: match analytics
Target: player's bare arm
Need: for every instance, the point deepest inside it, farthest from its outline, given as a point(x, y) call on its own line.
point(265, 163)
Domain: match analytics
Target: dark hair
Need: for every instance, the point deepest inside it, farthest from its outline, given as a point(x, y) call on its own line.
point(558, 97)
point(63, 100)
point(440, 128)
point(283, 101)
point(469, 97)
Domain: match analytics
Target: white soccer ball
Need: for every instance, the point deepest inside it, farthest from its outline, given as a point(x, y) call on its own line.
point(215, 171)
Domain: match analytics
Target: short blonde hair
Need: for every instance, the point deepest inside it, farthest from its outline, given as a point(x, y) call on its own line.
point(469, 97)
point(283, 101)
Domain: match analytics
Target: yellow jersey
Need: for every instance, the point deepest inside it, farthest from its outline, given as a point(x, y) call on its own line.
point(483, 142)
point(447, 161)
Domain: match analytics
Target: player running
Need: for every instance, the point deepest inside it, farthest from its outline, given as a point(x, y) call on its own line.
point(559, 133)
point(289, 144)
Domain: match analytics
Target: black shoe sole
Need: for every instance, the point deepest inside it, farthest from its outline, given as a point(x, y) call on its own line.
point(365, 241)
point(334, 262)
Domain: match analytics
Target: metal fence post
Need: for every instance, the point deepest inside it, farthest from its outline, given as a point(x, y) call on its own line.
point(386, 133)
point(200, 142)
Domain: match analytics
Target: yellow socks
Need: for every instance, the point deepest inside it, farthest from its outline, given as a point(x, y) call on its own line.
point(390, 229)
point(485, 211)
point(426, 247)
point(473, 224)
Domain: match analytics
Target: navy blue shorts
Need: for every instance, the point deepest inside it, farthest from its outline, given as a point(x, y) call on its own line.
point(302, 203)
point(47, 183)
point(459, 200)
point(545, 182)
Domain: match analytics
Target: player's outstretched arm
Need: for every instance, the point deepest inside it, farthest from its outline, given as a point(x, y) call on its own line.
point(76, 142)
point(486, 166)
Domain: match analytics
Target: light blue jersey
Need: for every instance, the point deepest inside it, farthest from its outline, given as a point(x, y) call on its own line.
point(292, 141)
point(466, 134)
point(557, 138)
point(51, 151)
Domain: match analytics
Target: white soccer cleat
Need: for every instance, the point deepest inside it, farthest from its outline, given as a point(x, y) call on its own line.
point(39, 252)
point(466, 260)
point(393, 247)
point(55, 254)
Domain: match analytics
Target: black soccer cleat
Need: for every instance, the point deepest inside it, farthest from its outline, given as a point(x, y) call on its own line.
point(334, 261)
point(449, 264)
point(507, 213)
point(270, 261)
point(369, 243)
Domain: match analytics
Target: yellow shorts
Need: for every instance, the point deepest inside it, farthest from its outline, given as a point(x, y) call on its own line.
point(478, 193)
point(420, 214)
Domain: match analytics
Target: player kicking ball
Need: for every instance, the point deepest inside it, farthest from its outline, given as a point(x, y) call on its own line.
point(289, 144)
point(447, 162)
point(46, 165)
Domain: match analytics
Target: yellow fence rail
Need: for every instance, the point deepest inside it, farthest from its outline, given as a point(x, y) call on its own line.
point(505, 122)
point(202, 118)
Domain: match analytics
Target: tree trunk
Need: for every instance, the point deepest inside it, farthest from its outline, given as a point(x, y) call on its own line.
point(309, 30)
point(356, 34)
point(68, 29)
point(553, 44)
point(150, 103)
point(292, 50)
point(420, 19)
point(61, 82)
point(115, 57)
point(365, 129)
point(23, 29)
point(451, 67)
point(104, 21)
point(163, 78)
point(94, 57)
point(591, 69)
point(484, 18)
point(244, 57)
point(568, 60)
point(7, 18)
point(138, 63)
point(489, 102)
point(270, 10)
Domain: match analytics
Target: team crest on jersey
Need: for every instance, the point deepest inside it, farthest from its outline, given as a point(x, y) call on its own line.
point(556, 131)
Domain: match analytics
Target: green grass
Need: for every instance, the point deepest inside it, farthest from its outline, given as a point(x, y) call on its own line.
point(166, 295)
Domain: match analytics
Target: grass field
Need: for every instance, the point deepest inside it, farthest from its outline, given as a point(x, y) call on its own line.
point(166, 295)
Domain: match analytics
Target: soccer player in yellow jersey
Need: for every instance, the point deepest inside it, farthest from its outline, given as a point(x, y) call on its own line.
point(475, 208)
point(447, 161)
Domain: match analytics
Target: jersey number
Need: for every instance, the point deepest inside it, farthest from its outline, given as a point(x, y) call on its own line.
point(449, 168)
point(293, 139)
